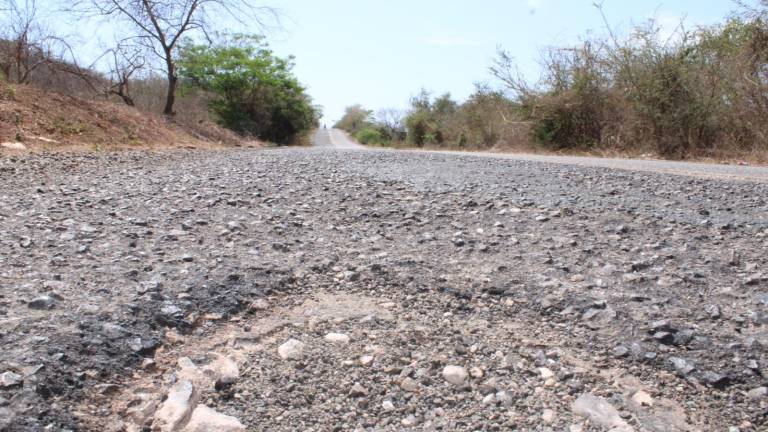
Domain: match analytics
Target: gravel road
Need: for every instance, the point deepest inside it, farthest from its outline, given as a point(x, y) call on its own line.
point(331, 289)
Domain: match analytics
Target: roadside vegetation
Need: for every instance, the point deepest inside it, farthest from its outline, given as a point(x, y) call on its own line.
point(700, 93)
point(166, 63)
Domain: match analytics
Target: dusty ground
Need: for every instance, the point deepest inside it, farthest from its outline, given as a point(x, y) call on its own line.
point(573, 297)
point(47, 121)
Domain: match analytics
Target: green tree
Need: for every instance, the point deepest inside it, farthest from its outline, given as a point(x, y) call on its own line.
point(355, 119)
point(254, 92)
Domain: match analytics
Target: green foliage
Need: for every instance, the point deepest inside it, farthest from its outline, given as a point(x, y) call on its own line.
point(370, 136)
point(254, 92)
point(355, 119)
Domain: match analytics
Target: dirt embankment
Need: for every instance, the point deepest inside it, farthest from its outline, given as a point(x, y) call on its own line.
point(36, 119)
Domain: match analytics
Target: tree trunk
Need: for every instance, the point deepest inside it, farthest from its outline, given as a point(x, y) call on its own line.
point(170, 97)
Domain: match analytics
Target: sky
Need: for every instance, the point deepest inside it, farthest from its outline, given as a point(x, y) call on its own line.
point(380, 53)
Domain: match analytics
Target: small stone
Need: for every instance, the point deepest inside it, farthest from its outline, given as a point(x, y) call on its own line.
point(546, 373)
point(223, 370)
point(337, 338)
point(503, 397)
point(548, 416)
point(600, 412)
point(258, 305)
point(291, 350)
point(358, 390)
point(620, 351)
point(42, 303)
point(10, 379)
point(758, 393)
point(113, 331)
point(713, 311)
point(388, 406)
point(664, 337)
point(682, 366)
point(409, 385)
point(409, 421)
point(642, 398)
point(489, 399)
point(455, 375)
point(476, 372)
point(366, 360)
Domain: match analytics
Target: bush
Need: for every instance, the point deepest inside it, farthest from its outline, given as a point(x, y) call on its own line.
point(370, 136)
point(699, 93)
point(254, 92)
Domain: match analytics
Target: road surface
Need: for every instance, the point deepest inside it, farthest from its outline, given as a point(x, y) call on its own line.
point(335, 289)
point(334, 138)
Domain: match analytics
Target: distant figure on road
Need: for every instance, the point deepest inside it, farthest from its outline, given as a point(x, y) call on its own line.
point(324, 127)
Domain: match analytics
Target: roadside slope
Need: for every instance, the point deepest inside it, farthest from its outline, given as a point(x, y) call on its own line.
point(43, 120)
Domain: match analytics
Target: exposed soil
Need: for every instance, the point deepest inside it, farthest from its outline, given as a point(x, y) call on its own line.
point(44, 120)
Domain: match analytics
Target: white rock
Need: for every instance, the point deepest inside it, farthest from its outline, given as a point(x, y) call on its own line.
point(292, 349)
point(13, 146)
point(223, 369)
point(758, 393)
point(366, 360)
point(600, 412)
point(10, 379)
point(546, 373)
point(205, 419)
point(410, 421)
point(177, 408)
point(337, 338)
point(476, 372)
point(455, 375)
point(642, 398)
point(548, 416)
point(388, 405)
point(489, 399)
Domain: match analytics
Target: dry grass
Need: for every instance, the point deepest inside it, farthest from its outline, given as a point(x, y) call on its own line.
point(44, 120)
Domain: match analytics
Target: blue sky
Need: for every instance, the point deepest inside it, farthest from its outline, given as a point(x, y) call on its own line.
point(379, 53)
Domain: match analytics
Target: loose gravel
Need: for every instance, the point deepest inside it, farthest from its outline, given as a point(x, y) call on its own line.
point(319, 290)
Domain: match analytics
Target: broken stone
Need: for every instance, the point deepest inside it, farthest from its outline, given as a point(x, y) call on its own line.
point(177, 408)
point(600, 412)
point(206, 419)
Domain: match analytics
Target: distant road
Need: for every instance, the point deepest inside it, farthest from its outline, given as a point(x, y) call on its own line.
point(334, 138)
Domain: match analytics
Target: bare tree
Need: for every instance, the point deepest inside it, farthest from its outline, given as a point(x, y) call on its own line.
point(391, 121)
point(27, 45)
point(506, 71)
point(126, 61)
point(160, 25)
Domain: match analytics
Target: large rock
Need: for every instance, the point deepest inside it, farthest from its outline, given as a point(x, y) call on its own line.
point(600, 412)
point(205, 419)
point(177, 408)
